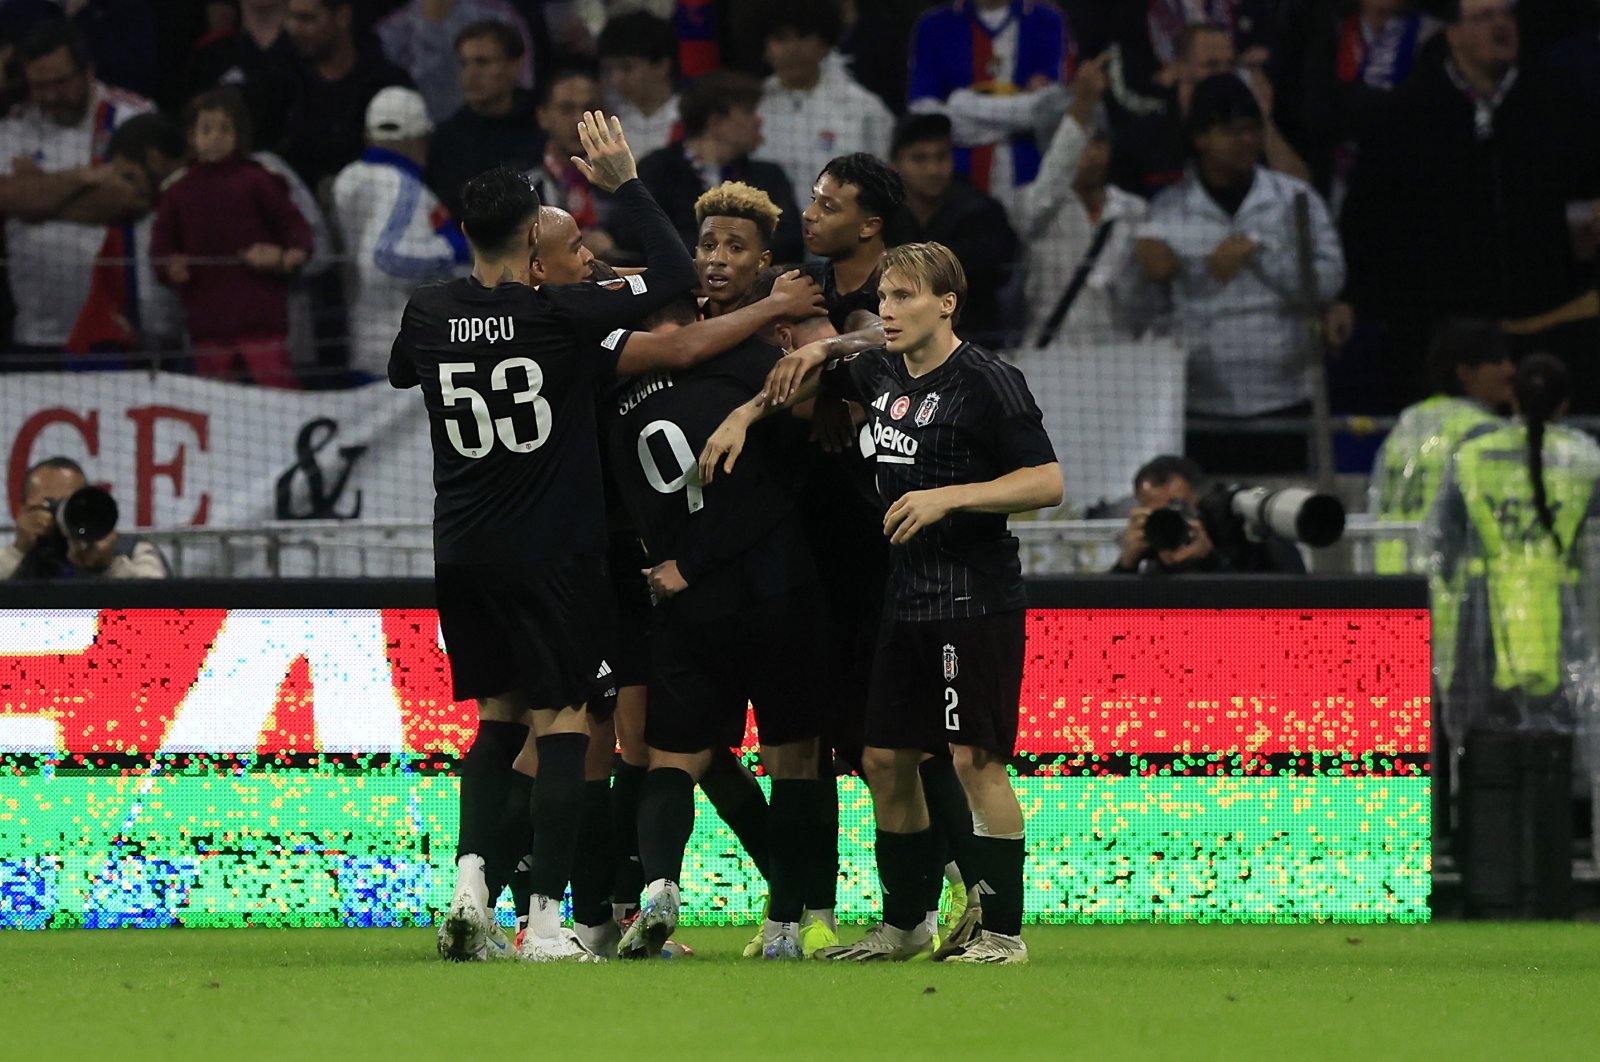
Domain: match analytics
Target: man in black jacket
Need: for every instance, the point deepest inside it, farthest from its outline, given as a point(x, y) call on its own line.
point(495, 125)
point(944, 207)
point(720, 130)
point(1457, 207)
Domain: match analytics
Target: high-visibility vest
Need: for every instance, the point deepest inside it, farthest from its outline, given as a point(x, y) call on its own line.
point(1527, 579)
point(1410, 467)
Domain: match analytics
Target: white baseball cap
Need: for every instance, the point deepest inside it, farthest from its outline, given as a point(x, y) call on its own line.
point(397, 113)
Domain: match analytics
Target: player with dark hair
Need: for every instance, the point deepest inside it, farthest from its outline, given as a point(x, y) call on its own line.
point(960, 444)
point(507, 374)
point(855, 195)
point(736, 600)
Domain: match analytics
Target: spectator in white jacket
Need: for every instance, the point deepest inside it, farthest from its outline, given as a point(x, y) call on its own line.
point(1222, 246)
point(395, 232)
point(1079, 228)
point(812, 110)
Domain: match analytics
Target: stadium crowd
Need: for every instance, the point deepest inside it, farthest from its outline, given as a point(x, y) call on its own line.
point(297, 162)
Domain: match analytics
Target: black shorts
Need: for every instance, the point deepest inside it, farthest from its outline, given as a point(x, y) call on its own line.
point(704, 675)
point(937, 683)
point(541, 628)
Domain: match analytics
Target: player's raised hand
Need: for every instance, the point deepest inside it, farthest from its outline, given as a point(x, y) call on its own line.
point(610, 162)
point(726, 442)
point(914, 511)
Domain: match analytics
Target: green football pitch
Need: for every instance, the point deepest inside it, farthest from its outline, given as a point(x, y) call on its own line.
point(1147, 991)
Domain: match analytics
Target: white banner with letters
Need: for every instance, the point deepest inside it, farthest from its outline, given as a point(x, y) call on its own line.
point(181, 451)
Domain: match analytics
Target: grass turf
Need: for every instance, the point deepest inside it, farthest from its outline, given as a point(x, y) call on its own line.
point(1446, 990)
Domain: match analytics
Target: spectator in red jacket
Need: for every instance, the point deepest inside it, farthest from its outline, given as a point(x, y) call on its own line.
point(227, 237)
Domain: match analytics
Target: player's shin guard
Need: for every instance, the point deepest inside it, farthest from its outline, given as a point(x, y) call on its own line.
point(793, 836)
point(629, 880)
point(486, 781)
point(910, 877)
point(949, 812)
point(557, 812)
point(666, 819)
point(997, 879)
point(591, 867)
point(736, 795)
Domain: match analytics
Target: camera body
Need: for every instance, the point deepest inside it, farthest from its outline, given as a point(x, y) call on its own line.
point(88, 514)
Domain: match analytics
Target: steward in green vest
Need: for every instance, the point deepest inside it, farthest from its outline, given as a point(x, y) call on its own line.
point(1510, 523)
point(1471, 368)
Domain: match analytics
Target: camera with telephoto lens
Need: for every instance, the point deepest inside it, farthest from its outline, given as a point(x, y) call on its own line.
point(1295, 513)
point(88, 514)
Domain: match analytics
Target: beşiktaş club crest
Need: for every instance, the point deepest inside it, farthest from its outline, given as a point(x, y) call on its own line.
point(952, 666)
point(929, 407)
point(900, 406)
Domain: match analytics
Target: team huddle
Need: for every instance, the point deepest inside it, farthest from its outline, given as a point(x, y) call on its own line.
point(668, 495)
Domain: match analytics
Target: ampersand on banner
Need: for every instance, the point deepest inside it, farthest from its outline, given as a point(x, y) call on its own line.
point(321, 499)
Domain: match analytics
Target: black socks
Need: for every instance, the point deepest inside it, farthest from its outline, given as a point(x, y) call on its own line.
point(592, 873)
point(910, 879)
point(737, 796)
point(666, 819)
point(793, 840)
point(557, 811)
point(996, 866)
point(486, 780)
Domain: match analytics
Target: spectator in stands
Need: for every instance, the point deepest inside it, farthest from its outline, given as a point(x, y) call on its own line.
point(1471, 366)
point(943, 206)
point(1335, 70)
point(638, 63)
point(324, 129)
point(561, 101)
point(995, 68)
point(720, 129)
point(1214, 542)
point(119, 35)
point(420, 38)
point(126, 309)
point(396, 235)
point(258, 58)
point(812, 110)
point(1573, 66)
point(1457, 206)
point(40, 549)
point(58, 198)
point(495, 125)
point(1222, 244)
point(238, 224)
point(1152, 143)
point(1078, 227)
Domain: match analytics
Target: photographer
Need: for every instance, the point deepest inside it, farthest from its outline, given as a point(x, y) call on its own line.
point(44, 549)
point(1215, 541)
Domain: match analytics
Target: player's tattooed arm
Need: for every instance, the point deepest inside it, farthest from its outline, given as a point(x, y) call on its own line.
point(793, 296)
point(1020, 491)
point(786, 376)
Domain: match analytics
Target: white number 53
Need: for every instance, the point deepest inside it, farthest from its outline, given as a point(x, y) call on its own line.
point(487, 429)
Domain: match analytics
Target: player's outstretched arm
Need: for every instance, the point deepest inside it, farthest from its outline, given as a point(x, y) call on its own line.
point(727, 442)
point(1020, 491)
point(786, 376)
point(793, 296)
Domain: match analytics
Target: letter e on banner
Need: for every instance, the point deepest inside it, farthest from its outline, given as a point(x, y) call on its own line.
point(146, 468)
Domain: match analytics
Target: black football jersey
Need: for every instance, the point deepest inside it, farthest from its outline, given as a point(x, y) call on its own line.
point(508, 375)
point(969, 421)
point(841, 304)
point(738, 539)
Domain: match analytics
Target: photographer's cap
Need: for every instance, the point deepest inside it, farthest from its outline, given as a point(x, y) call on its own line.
point(397, 113)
